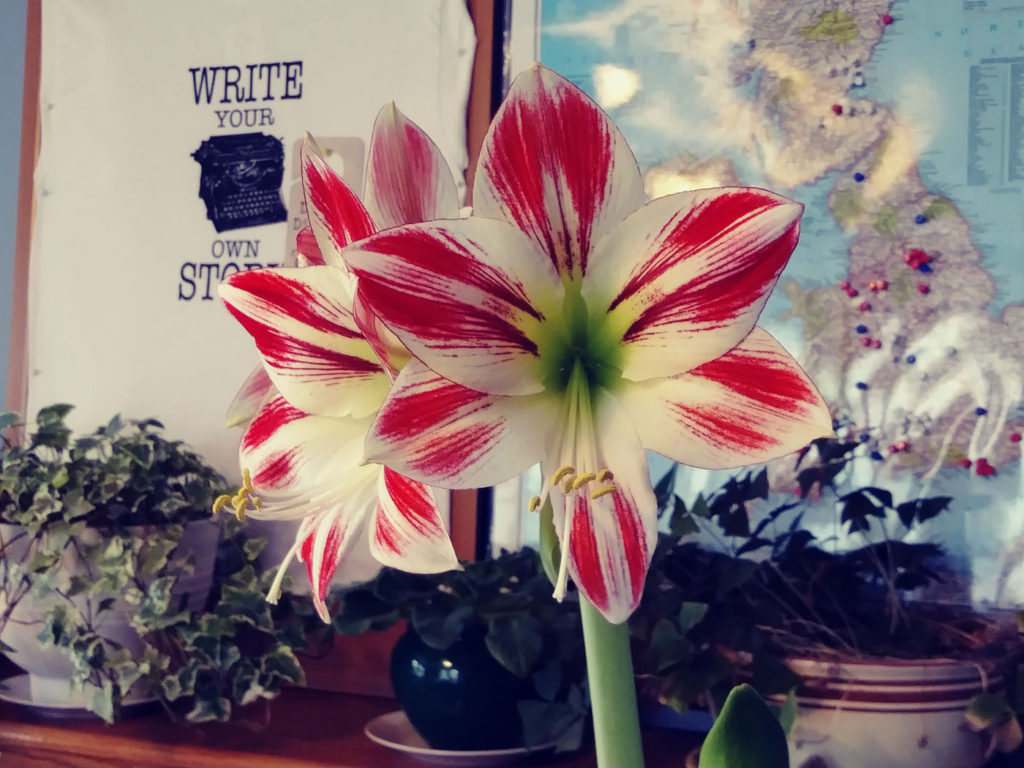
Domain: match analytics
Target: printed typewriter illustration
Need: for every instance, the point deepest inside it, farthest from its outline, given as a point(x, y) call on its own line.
point(241, 180)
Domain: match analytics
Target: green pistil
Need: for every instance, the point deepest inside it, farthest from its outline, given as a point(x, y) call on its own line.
point(580, 345)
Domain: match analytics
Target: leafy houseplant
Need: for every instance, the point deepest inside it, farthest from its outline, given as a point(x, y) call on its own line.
point(496, 620)
point(106, 540)
point(774, 590)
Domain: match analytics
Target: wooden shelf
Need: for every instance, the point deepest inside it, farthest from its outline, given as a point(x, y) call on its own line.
point(305, 728)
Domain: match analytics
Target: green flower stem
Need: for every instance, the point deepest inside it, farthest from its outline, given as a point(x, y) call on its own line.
point(612, 690)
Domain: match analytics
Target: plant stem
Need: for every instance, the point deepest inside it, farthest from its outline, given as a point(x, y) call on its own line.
point(612, 690)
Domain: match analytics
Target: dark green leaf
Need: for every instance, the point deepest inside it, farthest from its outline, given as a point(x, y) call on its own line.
point(546, 721)
point(438, 625)
point(663, 490)
point(772, 676)
point(691, 614)
point(681, 523)
point(668, 647)
point(880, 495)
point(516, 642)
point(548, 679)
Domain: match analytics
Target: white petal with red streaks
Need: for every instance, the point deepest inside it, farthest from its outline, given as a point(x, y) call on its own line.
point(612, 537)
point(447, 435)
point(309, 251)
point(336, 215)
point(325, 538)
point(468, 297)
point(407, 177)
point(686, 276)
point(556, 166)
point(408, 532)
point(256, 388)
point(302, 464)
point(751, 405)
point(390, 351)
point(302, 324)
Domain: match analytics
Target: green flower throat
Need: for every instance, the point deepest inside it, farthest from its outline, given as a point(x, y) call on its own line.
point(578, 352)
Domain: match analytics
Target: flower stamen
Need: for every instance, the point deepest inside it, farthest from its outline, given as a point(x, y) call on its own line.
point(604, 490)
point(534, 503)
point(582, 480)
point(563, 471)
point(242, 501)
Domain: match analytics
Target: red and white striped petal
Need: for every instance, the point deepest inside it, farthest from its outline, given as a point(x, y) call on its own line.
point(254, 391)
point(324, 539)
point(685, 277)
point(611, 538)
point(301, 464)
point(302, 324)
point(407, 177)
point(309, 251)
point(389, 350)
point(336, 215)
point(408, 531)
point(467, 297)
point(556, 166)
point(447, 435)
point(751, 405)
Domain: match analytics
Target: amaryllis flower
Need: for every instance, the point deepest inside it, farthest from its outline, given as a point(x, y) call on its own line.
point(570, 324)
point(327, 366)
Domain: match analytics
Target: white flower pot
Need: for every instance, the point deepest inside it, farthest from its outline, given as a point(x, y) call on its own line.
point(49, 669)
point(888, 714)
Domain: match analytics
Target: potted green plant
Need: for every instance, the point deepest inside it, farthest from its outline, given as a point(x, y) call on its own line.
point(830, 621)
point(489, 659)
point(109, 552)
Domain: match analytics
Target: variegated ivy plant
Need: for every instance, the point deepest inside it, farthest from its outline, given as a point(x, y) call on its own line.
point(117, 501)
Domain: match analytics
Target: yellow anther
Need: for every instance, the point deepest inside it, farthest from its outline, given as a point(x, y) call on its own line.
point(562, 472)
point(602, 491)
point(582, 480)
point(605, 475)
point(535, 503)
point(247, 481)
point(567, 485)
point(258, 503)
point(220, 502)
point(240, 503)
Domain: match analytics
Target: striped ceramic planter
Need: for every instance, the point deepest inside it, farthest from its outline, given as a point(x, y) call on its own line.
point(888, 714)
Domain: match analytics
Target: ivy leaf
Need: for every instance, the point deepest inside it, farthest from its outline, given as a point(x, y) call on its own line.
point(246, 687)
point(283, 664)
point(105, 702)
point(217, 709)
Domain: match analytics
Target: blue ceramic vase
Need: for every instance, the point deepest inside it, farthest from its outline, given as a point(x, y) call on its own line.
point(458, 698)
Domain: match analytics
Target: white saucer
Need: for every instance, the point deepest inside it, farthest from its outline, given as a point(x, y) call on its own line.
point(394, 731)
point(18, 690)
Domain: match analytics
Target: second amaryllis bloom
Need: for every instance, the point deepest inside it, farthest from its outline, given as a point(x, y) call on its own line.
point(570, 324)
point(327, 365)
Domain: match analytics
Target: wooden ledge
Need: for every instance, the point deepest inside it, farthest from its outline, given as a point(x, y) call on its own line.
point(306, 729)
